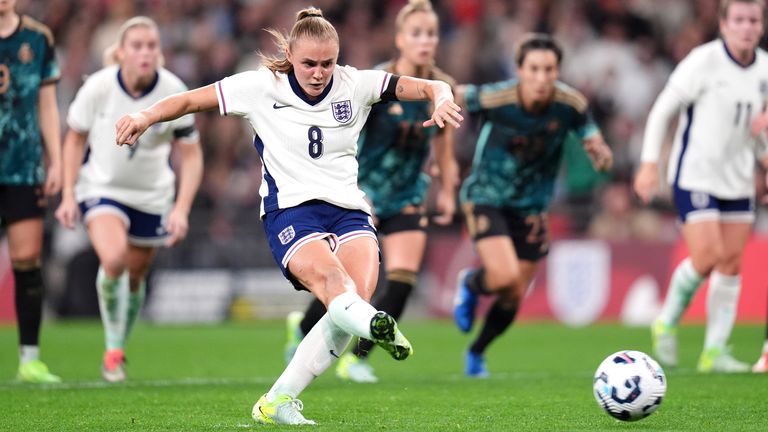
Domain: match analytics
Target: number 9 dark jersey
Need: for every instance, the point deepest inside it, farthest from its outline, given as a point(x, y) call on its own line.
point(26, 62)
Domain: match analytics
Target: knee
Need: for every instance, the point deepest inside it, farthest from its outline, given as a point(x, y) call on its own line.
point(330, 281)
point(729, 263)
point(705, 261)
point(113, 263)
point(502, 280)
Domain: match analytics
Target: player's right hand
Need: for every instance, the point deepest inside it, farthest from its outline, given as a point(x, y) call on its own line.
point(759, 124)
point(647, 181)
point(130, 127)
point(68, 213)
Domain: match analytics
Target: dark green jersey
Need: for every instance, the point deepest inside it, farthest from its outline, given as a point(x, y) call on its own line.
point(392, 149)
point(518, 154)
point(26, 63)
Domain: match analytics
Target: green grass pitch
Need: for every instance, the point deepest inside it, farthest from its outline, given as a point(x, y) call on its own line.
point(206, 378)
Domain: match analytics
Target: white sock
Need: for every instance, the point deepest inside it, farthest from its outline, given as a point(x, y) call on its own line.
point(135, 301)
point(722, 301)
point(685, 281)
point(324, 343)
point(28, 353)
point(765, 346)
point(113, 305)
point(353, 314)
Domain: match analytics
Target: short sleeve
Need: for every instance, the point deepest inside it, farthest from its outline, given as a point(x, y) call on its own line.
point(50, 68)
point(236, 93)
point(370, 84)
point(82, 109)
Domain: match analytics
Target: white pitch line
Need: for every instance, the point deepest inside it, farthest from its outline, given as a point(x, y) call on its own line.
point(139, 383)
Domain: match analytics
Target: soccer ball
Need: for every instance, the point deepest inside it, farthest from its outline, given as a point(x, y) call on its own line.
point(629, 385)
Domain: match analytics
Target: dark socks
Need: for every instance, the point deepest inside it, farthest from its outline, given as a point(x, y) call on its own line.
point(476, 282)
point(497, 321)
point(29, 304)
point(400, 283)
point(314, 312)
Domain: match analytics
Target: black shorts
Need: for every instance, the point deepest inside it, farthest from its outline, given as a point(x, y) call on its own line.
point(402, 222)
point(529, 233)
point(19, 202)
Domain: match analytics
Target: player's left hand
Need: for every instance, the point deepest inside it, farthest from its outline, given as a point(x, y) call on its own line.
point(130, 127)
point(52, 180)
point(446, 206)
point(600, 154)
point(177, 226)
point(447, 112)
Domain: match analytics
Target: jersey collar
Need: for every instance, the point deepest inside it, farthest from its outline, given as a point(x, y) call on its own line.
point(300, 93)
point(146, 91)
point(16, 31)
point(730, 56)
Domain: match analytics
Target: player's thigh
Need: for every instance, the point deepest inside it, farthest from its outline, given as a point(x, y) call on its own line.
point(360, 258)
point(705, 243)
point(502, 267)
point(138, 260)
point(25, 240)
point(735, 237)
point(109, 236)
point(404, 250)
point(318, 270)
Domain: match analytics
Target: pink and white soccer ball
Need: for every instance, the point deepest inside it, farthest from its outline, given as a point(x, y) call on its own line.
point(629, 385)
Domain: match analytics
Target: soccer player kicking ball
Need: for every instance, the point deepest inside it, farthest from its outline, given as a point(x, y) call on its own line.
point(306, 114)
point(393, 148)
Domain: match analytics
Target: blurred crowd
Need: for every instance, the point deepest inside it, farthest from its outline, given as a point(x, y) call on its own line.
point(618, 52)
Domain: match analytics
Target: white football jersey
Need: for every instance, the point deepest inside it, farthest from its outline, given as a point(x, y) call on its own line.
point(308, 148)
point(138, 176)
point(713, 149)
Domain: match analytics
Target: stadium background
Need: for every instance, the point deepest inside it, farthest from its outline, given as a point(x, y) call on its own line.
point(610, 258)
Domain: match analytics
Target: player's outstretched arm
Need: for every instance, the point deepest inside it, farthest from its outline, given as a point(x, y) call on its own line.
point(439, 92)
point(131, 126)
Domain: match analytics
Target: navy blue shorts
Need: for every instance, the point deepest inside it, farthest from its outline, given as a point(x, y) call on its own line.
point(697, 206)
point(290, 229)
point(144, 229)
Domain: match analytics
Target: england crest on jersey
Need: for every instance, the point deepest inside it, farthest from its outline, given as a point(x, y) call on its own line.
point(342, 111)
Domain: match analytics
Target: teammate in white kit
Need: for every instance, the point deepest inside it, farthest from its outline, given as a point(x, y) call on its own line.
point(717, 90)
point(126, 195)
point(306, 113)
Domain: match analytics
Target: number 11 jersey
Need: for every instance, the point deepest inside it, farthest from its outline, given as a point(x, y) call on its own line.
point(713, 149)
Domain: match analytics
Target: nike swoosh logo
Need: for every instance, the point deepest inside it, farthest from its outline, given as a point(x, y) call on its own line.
point(276, 106)
point(334, 354)
point(350, 305)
